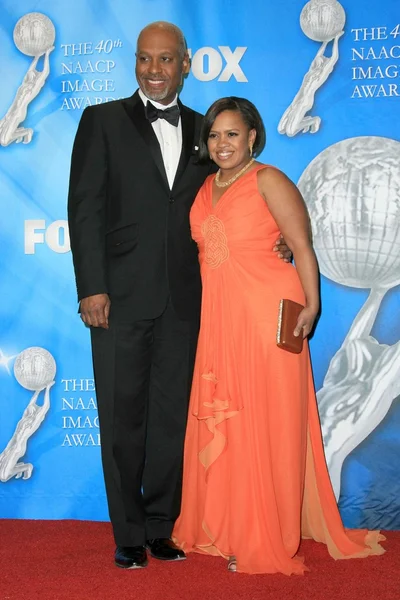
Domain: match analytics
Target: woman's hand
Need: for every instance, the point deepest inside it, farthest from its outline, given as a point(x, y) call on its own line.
point(305, 322)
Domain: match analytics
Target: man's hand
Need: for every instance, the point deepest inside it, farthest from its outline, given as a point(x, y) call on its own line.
point(95, 310)
point(283, 251)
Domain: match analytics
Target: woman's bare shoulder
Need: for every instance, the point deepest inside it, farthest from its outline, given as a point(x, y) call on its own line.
point(272, 176)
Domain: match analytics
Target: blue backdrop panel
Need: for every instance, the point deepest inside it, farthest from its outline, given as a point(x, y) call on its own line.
point(283, 57)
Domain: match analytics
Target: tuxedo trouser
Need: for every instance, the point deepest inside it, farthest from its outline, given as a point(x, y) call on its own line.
point(143, 373)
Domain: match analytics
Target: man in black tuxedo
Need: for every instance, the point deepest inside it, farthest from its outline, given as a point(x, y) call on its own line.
point(134, 177)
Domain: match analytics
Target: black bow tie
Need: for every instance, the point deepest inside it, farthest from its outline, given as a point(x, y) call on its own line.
point(169, 114)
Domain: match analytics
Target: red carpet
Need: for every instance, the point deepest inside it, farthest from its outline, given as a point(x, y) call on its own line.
point(72, 560)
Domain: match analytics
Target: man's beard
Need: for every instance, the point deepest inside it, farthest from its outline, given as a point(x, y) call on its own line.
point(153, 94)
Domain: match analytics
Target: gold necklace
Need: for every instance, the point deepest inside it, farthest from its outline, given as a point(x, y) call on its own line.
point(222, 184)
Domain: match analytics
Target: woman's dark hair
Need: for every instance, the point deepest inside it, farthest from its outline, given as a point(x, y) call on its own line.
point(249, 114)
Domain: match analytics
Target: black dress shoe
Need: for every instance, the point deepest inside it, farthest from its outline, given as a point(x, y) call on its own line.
point(131, 557)
point(164, 549)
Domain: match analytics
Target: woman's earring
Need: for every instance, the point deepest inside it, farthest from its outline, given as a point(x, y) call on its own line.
point(251, 149)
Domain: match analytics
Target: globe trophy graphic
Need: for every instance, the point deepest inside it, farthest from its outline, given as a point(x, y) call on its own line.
point(34, 369)
point(321, 21)
point(34, 35)
point(352, 190)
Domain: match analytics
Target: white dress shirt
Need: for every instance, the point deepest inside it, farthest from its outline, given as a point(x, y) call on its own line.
point(169, 138)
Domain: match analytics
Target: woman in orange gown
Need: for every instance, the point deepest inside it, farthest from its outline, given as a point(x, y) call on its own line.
point(255, 478)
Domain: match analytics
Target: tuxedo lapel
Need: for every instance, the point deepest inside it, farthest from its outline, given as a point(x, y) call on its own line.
point(134, 108)
point(187, 121)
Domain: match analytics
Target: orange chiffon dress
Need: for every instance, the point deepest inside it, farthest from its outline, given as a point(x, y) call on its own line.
point(255, 477)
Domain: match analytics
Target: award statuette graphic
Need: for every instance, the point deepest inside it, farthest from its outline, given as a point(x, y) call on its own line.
point(34, 369)
point(321, 21)
point(352, 190)
point(34, 35)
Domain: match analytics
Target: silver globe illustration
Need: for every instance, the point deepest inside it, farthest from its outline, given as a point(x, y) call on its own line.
point(34, 368)
point(322, 20)
point(34, 33)
point(352, 190)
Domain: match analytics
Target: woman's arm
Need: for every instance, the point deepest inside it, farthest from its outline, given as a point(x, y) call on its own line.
point(289, 211)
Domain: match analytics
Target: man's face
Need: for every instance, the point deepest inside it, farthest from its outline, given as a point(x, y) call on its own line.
point(159, 67)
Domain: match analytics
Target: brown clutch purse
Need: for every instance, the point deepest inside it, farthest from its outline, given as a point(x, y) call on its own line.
point(287, 320)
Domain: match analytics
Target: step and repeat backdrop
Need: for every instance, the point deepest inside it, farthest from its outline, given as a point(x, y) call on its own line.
point(325, 76)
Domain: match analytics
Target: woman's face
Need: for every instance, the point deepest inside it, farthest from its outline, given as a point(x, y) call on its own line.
point(229, 140)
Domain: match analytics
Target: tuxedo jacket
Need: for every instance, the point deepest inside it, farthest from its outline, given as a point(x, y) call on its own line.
point(130, 233)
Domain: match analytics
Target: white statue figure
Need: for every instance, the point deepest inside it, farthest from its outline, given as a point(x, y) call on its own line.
point(34, 35)
point(16, 114)
point(295, 119)
point(320, 20)
point(35, 370)
point(31, 420)
point(360, 385)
